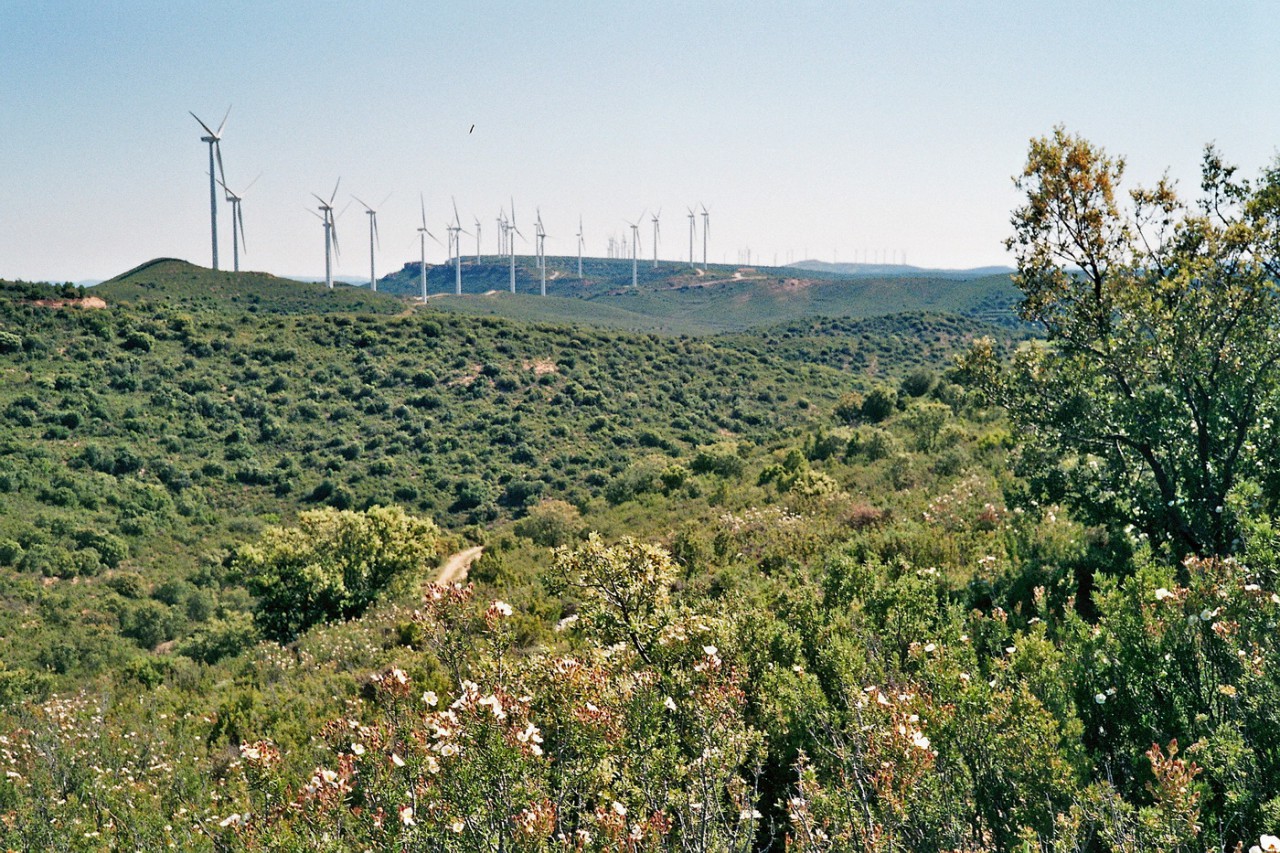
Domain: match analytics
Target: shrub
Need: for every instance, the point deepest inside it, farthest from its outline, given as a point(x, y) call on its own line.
point(332, 565)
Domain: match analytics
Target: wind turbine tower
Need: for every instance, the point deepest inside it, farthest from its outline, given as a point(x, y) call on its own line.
point(542, 253)
point(579, 235)
point(237, 219)
point(423, 234)
point(635, 248)
point(513, 229)
point(214, 138)
point(692, 228)
point(373, 238)
point(706, 222)
point(657, 232)
point(330, 232)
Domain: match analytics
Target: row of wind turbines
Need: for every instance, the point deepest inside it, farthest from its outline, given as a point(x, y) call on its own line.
point(507, 228)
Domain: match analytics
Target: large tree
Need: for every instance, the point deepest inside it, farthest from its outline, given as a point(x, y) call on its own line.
point(1154, 394)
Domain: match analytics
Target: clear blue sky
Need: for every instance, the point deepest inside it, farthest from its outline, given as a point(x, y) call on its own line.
point(835, 129)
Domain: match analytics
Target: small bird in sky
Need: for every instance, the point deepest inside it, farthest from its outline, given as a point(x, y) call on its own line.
point(473, 127)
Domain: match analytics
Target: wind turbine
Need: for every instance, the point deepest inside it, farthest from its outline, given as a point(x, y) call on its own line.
point(423, 234)
point(477, 240)
point(579, 236)
point(456, 228)
point(635, 246)
point(656, 234)
point(692, 229)
point(237, 219)
point(541, 232)
point(214, 138)
point(373, 237)
point(330, 232)
point(513, 229)
point(706, 221)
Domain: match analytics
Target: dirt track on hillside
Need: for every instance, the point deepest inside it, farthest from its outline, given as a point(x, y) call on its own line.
point(454, 569)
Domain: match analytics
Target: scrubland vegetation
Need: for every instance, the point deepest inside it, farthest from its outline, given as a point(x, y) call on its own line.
point(921, 582)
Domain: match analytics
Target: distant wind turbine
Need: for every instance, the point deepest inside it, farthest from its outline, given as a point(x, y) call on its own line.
point(635, 247)
point(214, 138)
point(513, 229)
point(657, 233)
point(541, 233)
point(706, 226)
point(423, 234)
point(330, 232)
point(579, 235)
point(477, 218)
point(692, 229)
point(237, 219)
point(456, 229)
point(373, 238)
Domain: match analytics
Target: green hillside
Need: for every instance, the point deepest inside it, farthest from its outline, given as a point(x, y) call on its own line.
point(673, 298)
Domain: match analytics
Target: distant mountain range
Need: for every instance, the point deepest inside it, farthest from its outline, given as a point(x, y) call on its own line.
point(897, 270)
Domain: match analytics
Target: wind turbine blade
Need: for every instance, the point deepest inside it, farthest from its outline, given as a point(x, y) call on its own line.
point(224, 122)
point(313, 213)
point(202, 124)
point(333, 232)
point(250, 186)
point(244, 244)
point(322, 201)
point(345, 208)
point(217, 149)
point(423, 202)
point(434, 237)
point(386, 198)
point(365, 206)
point(376, 238)
point(335, 190)
point(457, 220)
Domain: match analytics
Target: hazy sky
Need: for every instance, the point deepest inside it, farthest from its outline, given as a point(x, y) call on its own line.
point(826, 129)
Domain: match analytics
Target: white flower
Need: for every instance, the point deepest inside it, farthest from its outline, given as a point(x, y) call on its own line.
point(919, 740)
point(458, 825)
point(930, 647)
point(1207, 614)
point(1162, 594)
point(619, 808)
point(501, 608)
point(235, 820)
point(669, 703)
point(406, 815)
point(430, 698)
point(397, 760)
point(1267, 844)
point(1100, 698)
point(357, 749)
point(710, 651)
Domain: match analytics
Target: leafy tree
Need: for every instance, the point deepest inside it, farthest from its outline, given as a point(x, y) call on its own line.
point(1155, 393)
point(332, 565)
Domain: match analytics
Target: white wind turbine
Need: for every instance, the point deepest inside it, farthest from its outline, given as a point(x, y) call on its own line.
point(657, 232)
point(635, 247)
point(705, 227)
point(477, 218)
point(423, 234)
point(541, 233)
point(502, 231)
point(373, 238)
point(237, 219)
point(579, 236)
point(513, 228)
point(693, 227)
point(214, 138)
point(330, 232)
point(457, 231)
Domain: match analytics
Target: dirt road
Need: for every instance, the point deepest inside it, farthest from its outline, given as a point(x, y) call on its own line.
point(454, 569)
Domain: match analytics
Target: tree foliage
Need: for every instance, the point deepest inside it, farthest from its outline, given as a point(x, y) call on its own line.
point(332, 565)
point(1156, 391)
